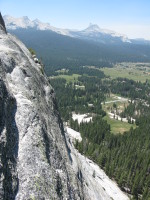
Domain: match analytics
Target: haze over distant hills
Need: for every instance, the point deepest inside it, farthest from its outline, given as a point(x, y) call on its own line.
point(92, 32)
point(91, 46)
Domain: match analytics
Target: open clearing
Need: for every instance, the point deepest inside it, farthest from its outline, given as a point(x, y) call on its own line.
point(116, 125)
point(132, 71)
point(69, 78)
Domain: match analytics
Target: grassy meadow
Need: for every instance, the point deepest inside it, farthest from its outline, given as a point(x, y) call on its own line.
point(129, 71)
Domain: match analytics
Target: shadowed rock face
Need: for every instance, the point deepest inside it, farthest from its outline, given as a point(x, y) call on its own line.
point(8, 144)
point(34, 156)
point(2, 25)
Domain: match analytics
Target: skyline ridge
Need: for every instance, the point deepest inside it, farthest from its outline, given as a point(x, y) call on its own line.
point(128, 17)
point(47, 26)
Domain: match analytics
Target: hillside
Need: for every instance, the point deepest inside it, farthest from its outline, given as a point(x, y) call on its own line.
point(34, 157)
point(64, 47)
point(37, 158)
point(60, 50)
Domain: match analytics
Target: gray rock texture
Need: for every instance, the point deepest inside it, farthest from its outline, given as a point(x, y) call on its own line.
point(35, 160)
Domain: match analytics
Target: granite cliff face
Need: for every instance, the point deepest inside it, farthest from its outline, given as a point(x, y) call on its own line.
point(34, 157)
point(37, 158)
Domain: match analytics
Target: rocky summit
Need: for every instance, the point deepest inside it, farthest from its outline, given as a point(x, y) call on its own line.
point(34, 156)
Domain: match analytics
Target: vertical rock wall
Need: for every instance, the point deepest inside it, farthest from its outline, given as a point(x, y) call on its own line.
point(34, 157)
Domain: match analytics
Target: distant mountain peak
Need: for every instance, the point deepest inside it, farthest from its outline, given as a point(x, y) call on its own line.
point(93, 27)
point(37, 20)
point(93, 32)
point(25, 18)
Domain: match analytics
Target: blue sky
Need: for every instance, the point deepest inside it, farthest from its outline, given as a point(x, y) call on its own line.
point(129, 17)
